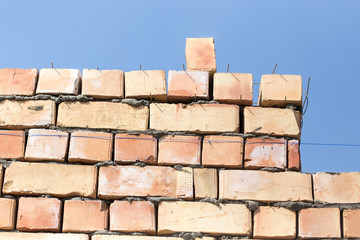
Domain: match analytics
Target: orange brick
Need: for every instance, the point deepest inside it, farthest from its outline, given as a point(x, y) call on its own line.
point(27, 114)
point(90, 147)
point(134, 148)
point(261, 152)
point(319, 223)
point(57, 81)
point(294, 162)
point(85, 216)
point(46, 145)
point(12, 144)
point(264, 186)
point(103, 84)
point(42, 236)
point(39, 214)
point(177, 149)
point(188, 85)
point(7, 213)
point(15, 81)
point(234, 88)
point(337, 187)
point(200, 54)
point(23, 178)
point(122, 181)
point(136, 216)
point(274, 223)
point(351, 220)
point(127, 237)
point(205, 182)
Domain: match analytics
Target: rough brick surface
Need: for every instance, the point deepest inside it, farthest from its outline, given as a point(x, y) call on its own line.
point(54, 179)
point(118, 237)
point(12, 144)
point(264, 186)
point(7, 213)
point(15, 81)
point(294, 162)
point(42, 236)
point(351, 220)
point(1, 177)
point(198, 118)
point(25, 114)
point(205, 183)
point(121, 181)
point(200, 54)
point(103, 115)
point(231, 219)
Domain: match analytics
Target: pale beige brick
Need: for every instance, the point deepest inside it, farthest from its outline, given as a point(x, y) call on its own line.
point(42, 236)
point(7, 213)
point(205, 181)
point(200, 54)
point(119, 237)
point(351, 220)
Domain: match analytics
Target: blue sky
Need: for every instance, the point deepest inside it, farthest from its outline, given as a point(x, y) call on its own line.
point(319, 38)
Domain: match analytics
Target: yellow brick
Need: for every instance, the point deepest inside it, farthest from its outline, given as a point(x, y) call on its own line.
point(205, 181)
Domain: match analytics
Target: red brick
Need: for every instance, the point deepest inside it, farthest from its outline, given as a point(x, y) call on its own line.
point(134, 148)
point(85, 216)
point(200, 54)
point(7, 213)
point(351, 220)
point(294, 162)
point(319, 223)
point(136, 216)
point(177, 149)
point(205, 182)
point(127, 237)
point(42, 236)
point(39, 214)
point(12, 144)
point(15, 81)
point(46, 145)
point(121, 181)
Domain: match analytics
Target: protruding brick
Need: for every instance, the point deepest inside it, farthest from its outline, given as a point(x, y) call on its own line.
point(22, 178)
point(146, 85)
point(274, 223)
point(85, 216)
point(122, 181)
point(261, 152)
point(233, 88)
point(205, 182)
point(39, 214)
point(188, 85)
point(46, 145)
point(294, 162)
point(42, 236)
point(351, 220)
point(57, 81)
point(15, 81)
point(337, 187)
point(231, 219)
point(136, 216)
point(27, 114)
point(127, 237)
point(177, 149)
point(277, 90)
point(272, 121)
point(200, 54)
point(7, 213)
point(134, 148)
point(264, 186)
point(198, 118)
point(103, 115)
point(319, 223)
point(12, 144)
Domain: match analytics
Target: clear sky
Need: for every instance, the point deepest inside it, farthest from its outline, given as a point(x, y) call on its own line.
point(319, 38)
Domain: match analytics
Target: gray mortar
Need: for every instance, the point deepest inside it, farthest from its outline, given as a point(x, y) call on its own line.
point(203, 102)
point(214, 201)
point(271, 169)
point(294, 206)
point(190, 236)
point(107, 163)
point(179, 167)
point(161, 199)
point(139, 164)
point(251, 205)
point(133, 199)
point(247, 135)
point(135, 103)
point(5, 163)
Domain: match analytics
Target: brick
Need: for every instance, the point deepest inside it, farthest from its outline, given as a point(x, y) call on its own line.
point(39, 214)
point(200, 54)
point(234, 88)
point(22, 178)
point(294, 162)
point(136, 216)
point(46, 145)
point(197, 118)
point(351, 219)
point(15, 81)
point(42, 236)
point(90, 147)
point(264, 186)
point(85, 216)
point(103, 84)
point(123, 181)
point(337, 187)
point(27, 114)
point(57, 81)
point(134, 148)
point(205, 182)
point(103, 115)
point(188, 85)
point(12, 144)
point(222, 151)
point(177, 149)
point(272, 121)
point(126, 237)
point(274, 223)
point(146, 85)
point(1, 177)
point(319, 223)
point(231, 219)
point(7, 213)
point(277, 90)
point(261, 152)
